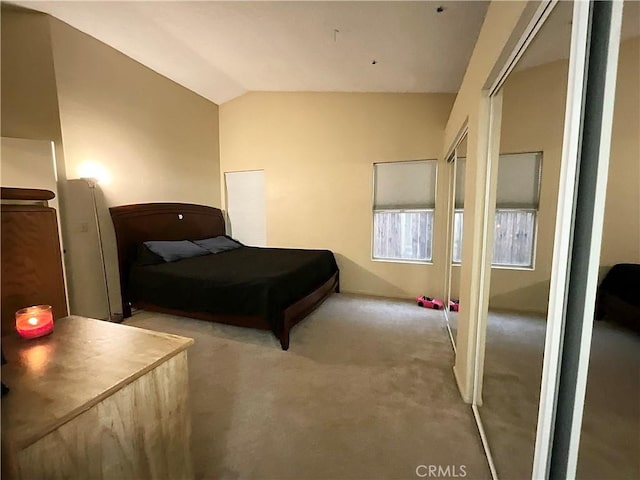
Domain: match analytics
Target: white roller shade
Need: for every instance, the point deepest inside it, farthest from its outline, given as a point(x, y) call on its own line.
point(405, 185)
point(246, 207)
point(461, 165)
point(519, 180)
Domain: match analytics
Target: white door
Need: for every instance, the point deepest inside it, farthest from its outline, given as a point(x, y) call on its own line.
point(246, 207)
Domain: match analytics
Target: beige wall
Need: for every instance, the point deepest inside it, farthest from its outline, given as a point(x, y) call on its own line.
point(318, 151)
point(29, 101)
point(29, 164)
point(157, 140)
point(471, 107)
point(621, 237)
point(29, 96)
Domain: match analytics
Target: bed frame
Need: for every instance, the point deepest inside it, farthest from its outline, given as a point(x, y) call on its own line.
point(135, 224)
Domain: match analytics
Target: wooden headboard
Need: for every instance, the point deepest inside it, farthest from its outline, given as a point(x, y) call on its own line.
point(135, 224)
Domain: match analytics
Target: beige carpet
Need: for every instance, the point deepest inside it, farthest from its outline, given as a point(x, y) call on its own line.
point(610, 440)
point(366, 391)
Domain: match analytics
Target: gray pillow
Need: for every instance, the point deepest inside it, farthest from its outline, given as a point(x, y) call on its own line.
point(218, 244)
point(172, 251)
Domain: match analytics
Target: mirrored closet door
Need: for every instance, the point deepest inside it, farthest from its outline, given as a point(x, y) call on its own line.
point(533, 99)
point(456, 162)
point(610, 434)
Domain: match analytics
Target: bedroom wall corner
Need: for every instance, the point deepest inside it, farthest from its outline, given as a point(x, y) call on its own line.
point(151, 139)
point(318, 151)
point(29, 100)
point(29, 95)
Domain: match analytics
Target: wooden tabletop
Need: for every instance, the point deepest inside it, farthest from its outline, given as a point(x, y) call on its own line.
point(55, 378)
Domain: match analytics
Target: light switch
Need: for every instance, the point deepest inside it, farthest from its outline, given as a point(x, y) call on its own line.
point(84, 227)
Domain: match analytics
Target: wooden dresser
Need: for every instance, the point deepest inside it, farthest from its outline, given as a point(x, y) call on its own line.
point(31, 272)
point(96, 400)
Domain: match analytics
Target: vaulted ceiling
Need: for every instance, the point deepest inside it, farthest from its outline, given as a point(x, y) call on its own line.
point(221, 50)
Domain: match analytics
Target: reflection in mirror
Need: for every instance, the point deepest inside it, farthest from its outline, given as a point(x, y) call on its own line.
point(533, 107)
point(457, 216)
point(610, 437)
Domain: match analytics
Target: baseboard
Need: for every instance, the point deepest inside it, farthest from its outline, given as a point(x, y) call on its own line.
point(373, 295)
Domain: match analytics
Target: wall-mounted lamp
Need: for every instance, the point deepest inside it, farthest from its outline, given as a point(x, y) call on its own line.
point(92, 182)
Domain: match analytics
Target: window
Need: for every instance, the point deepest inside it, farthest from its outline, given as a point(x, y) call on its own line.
point(516, 211)
point(404, 235)
point(456, 256)
point(456, 253)
point(403, 207)
point(513, 240)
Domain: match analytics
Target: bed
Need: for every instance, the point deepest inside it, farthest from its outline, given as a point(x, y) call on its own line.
point(264, 288)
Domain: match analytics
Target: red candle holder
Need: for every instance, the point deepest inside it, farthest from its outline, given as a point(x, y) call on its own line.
point(34, 322)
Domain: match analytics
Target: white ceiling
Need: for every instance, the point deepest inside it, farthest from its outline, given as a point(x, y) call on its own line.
point(221, 50)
